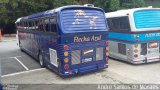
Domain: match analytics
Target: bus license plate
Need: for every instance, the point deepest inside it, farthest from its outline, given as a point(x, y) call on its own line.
point(87, 60)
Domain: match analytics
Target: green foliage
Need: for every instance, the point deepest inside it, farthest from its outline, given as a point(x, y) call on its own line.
point(132, 4)
point(108, 5)
point(104, 4)
point(10, 10)
point(114, 5)
point(59, 3)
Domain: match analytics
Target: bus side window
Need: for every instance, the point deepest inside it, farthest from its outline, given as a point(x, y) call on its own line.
point(36, 24)
point(119, 24)
point(116, 24)
point(124, 24)
point(30, 24)
point(53, 25)
point(41, 25)
point(110, 24)
point(33, 25)
point(47, 25)
point(27, 25)
point(113, 24)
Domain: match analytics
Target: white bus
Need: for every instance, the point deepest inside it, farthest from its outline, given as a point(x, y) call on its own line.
point(134, 35)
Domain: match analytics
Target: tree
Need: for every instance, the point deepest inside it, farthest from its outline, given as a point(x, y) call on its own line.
point(10, 10)
point(59, 3)
point(132, 3)
point(108, 5)
point(114, 5)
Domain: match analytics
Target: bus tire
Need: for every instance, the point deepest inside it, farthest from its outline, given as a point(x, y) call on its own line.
point(41, 60)
point(20, 46)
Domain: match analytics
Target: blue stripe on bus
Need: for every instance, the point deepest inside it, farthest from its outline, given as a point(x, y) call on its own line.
point(132, 37)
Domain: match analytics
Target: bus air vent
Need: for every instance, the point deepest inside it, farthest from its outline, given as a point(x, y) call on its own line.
point(75, 55)
point(143, 48)
point(122, 48)
point(99, 53)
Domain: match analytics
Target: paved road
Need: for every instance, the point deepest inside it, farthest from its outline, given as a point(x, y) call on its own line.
point(19, 68)
point(13, 60)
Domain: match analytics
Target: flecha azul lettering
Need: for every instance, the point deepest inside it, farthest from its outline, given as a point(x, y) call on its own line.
point(87, 39)
point(96, 38)
point(84, 39)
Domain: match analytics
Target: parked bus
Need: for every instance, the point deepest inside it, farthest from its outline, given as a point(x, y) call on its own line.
point(69, 40)
point(134, 35)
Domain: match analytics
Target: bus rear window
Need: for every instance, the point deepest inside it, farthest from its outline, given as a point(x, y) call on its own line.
point(80, 20)
point(147, 19)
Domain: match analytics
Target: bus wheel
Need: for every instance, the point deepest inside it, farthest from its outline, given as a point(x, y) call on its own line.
point(41, 61)
point(20, 46)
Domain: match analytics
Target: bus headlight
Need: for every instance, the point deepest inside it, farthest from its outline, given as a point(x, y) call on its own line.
point(66, 54)
point(66, 60)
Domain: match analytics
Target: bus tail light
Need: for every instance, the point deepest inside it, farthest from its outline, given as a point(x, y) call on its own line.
point(66, 60)
point(136, 55)
point(136, 45)
point(107, 43)
point(107, 48)
point(136, 50)
point(70, 72)
point(106, 59)
point(66, 66)
point(66, 54)
point(107, 54)
point(66, 47)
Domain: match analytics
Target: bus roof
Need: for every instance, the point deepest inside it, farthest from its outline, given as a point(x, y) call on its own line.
point(126, 12)
point(52, 12)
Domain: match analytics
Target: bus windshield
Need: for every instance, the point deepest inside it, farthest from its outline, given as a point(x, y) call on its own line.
point(147, 19)
point(83, 20)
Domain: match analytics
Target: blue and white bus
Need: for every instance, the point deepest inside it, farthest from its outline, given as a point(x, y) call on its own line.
point(69, 40)
point(134, 35)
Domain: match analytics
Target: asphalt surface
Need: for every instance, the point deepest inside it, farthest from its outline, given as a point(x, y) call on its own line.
point(13, 60)
point(19, 68)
